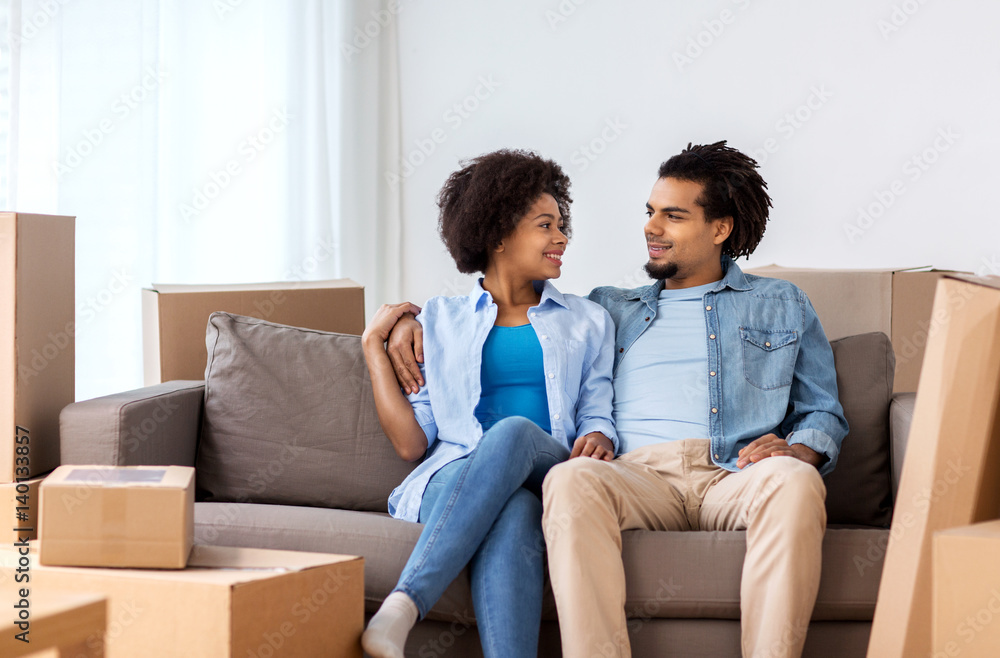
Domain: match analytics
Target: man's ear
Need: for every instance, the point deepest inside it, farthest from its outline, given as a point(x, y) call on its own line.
point(723, 229)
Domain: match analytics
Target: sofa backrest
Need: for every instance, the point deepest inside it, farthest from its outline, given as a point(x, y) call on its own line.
point(289, 418)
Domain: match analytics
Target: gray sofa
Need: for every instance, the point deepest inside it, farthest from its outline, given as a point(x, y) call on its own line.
point(289, 454)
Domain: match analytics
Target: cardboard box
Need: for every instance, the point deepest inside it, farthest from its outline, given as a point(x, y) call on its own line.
point(37, 347)
point(967, 591)
point(117, 516)
point(896, 302)
point(174, 318)
point(240, 602)
point(19, 505)
point(72, 623)
point(949, 476)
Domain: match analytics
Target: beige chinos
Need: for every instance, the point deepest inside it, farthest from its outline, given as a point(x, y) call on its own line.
point(675, 486)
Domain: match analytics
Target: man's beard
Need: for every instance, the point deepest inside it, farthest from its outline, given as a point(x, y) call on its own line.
point(661, 272)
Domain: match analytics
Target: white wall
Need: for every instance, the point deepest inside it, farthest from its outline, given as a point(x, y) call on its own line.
point(559, 72)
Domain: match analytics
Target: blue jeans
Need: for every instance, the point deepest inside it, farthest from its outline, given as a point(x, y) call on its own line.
point(484, 510)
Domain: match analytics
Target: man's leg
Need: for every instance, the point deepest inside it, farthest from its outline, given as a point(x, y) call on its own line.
point(586, 505)
point(780, 503)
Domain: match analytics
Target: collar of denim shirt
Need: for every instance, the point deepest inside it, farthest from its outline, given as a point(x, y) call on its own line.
point(732, 277)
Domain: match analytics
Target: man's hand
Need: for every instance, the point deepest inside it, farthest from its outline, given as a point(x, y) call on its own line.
point(594, 445)
point(770, 445)
point(406, 351)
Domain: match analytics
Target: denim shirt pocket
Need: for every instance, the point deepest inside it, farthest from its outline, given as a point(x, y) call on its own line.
point(769, 357)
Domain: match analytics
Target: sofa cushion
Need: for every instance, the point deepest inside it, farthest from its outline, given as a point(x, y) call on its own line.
point(668, 574)
point(859, 490)
point(289, 418)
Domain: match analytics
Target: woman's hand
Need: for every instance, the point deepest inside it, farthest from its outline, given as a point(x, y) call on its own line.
point(386, 317)
point(594, 445)
point(406, 352)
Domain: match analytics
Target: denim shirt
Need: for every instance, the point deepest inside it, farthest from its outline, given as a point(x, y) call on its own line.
point(770, 366)
point(577, 339)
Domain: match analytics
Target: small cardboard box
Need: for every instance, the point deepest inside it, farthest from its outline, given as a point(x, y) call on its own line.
point(19, 510)
point(174, 318)
point(37, 346)
point(952, 458)
point(239, 602)
point(117, 516)
point(967, 591)
point(896, 302)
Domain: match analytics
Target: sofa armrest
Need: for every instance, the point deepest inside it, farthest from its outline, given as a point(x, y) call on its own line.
point(156, 425)
point(900, 417)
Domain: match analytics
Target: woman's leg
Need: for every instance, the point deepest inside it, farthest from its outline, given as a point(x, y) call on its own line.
point(506, 574)
point(461, 503)
point(513, 452)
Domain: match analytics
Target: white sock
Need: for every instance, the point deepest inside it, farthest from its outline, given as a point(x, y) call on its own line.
point(386, 634)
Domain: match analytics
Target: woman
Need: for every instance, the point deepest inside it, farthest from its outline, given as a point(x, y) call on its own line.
point(516, 374)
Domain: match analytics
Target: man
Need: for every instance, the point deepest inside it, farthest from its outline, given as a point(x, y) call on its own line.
point(727, 411)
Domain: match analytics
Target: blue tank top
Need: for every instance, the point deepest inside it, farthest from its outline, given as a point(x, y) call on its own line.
point(513, 378)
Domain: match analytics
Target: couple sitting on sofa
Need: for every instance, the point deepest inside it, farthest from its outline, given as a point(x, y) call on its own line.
point(706, 401)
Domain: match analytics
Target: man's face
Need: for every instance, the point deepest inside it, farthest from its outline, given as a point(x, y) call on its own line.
point(684, 249)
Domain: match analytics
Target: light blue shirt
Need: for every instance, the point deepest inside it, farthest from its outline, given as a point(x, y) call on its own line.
point(577, 338)
point(770, 367)
point(666, 369)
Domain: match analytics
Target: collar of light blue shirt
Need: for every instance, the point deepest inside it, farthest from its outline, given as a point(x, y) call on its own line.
point(733, 277)
point(481, 298)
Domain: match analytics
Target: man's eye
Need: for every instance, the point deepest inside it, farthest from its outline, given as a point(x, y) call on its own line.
point(649, 213)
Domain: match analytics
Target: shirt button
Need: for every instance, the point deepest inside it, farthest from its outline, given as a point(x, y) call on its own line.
point(551, 375)
point(714, 410)
point(716, 455)
point(555, 417)
point(708, 308)
point(621, 349)
point(544, 337)
point(647, 319)
point(767, 344)
point(712, 336)
point(712, 373)
point(534, 315)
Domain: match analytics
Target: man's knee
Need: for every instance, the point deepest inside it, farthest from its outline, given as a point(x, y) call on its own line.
point(572, 490)
point(791, 480)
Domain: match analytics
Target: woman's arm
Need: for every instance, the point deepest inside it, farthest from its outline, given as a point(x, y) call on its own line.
point(395, 412)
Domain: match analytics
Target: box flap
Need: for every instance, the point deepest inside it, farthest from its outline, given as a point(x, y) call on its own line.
point(174, 288)
point(985, 530)
point(763, 269)
point(260, 559)
point(82, 475)
point(988, 281)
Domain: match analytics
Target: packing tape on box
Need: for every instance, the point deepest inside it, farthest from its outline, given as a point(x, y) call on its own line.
point(114, 525)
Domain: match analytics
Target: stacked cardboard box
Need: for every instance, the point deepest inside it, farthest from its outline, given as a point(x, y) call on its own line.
point(37, 356)
point(174, 317)
point(228, 602)
point(896, 302)
point(952, 458)
point(117, 516)
point(967, 591)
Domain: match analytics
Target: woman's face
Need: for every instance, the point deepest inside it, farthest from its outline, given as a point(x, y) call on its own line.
point(534, 250)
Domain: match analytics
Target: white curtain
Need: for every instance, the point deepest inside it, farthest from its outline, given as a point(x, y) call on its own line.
point(223, 141)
